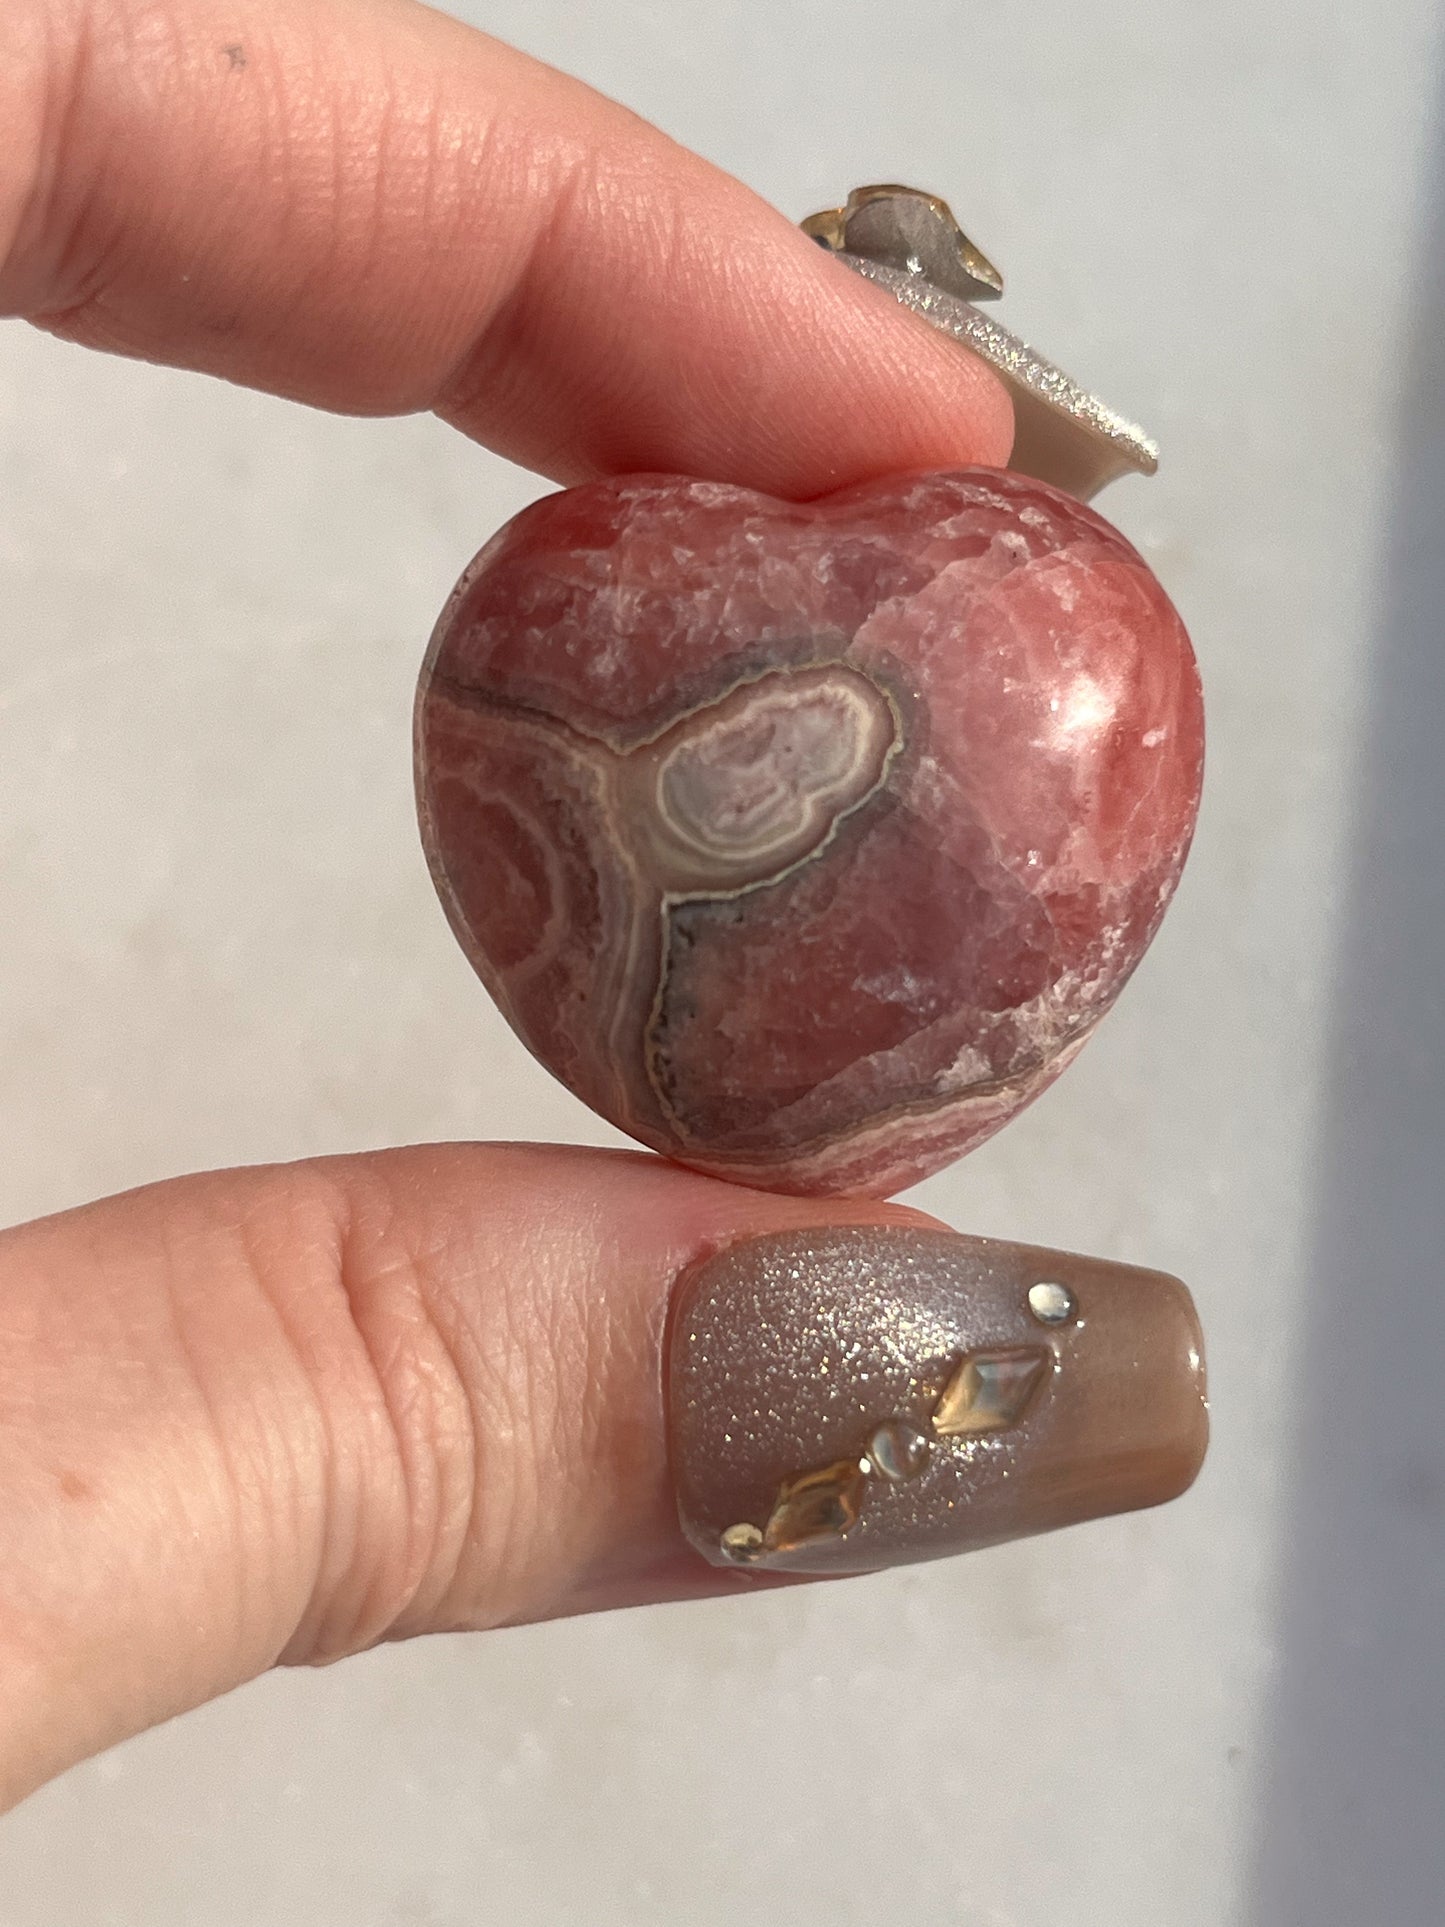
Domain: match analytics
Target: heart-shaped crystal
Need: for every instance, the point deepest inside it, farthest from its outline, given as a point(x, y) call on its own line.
point(808, 843)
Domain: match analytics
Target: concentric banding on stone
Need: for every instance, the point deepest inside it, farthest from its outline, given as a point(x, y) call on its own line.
point(739, 791)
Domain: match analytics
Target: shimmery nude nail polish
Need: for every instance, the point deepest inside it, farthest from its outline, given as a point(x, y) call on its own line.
point(844, 1400)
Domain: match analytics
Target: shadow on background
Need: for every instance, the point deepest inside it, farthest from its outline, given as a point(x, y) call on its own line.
point(1352, 1823)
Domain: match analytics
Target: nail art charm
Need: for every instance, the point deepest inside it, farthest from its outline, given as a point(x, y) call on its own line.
point(845, 1400)
point(809, 842)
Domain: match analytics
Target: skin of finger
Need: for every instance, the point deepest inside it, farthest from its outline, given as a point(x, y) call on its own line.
point(368, 206)
point(281, 1414)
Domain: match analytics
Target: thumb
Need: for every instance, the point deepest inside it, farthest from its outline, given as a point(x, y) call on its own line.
point(277, 1415)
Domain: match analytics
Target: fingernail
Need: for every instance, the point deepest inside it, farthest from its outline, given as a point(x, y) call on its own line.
point(844, 1400)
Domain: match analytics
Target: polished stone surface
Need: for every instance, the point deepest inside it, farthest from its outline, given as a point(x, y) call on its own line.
point(808, 844)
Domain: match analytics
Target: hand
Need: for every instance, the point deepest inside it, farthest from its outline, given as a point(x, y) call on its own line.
point(278, 1415)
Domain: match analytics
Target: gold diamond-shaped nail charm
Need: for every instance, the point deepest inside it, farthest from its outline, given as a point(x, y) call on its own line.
point(988, 1392)
point(908, 242)
point(815, 1505)
point(904, 228)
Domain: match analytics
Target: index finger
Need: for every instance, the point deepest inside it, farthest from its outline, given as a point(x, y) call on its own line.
point(367, 206)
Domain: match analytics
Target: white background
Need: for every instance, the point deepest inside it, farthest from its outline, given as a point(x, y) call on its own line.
point(220, 945)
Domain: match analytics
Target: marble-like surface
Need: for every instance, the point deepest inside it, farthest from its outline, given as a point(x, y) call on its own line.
point(808, 843)
point(221, 944)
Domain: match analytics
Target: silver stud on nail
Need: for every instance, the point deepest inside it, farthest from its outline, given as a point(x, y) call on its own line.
point(1052, 1304)
point(898, 1450)
point(742, 1544)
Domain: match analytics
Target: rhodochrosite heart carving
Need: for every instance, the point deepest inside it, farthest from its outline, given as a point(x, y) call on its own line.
point(808, 844)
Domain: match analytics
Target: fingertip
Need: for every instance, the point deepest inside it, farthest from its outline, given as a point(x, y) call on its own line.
point(381, 210)
point(676, 323)
point(926, 400)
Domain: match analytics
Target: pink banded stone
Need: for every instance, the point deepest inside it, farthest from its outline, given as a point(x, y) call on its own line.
point(808, 843)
